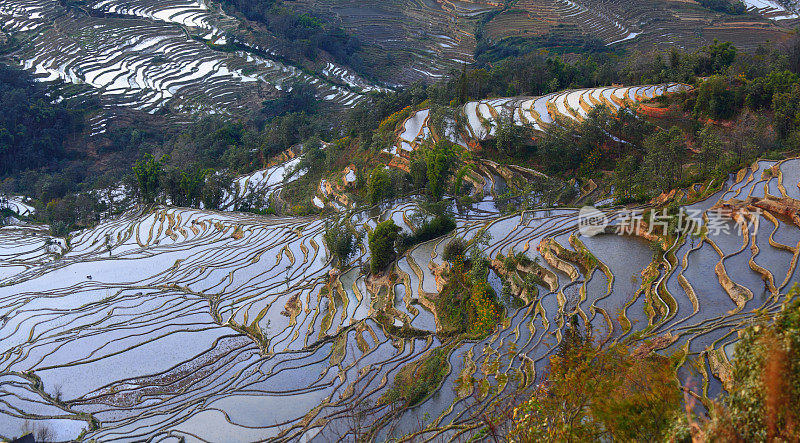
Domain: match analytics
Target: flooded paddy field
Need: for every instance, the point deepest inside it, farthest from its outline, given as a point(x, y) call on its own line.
point(156, 56)
point(209, 326)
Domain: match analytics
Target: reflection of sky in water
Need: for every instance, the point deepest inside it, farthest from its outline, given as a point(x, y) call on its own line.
point(185, 324)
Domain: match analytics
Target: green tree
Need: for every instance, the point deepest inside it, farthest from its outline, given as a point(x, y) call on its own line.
point(455, 250)
point(440, 161)
point(381, 245)
point(185, 188)
point(716, 58)
point(191, 184)
point(419, 171)
point(626, 186)
point(559, 149)
point(761, 91)
point(314, 155)
point(711, 151)
point(509, 136)
point(787, 111)
point(662, 166)
point(148, 173)
point(716, 99)
point(214, 190)
point(340, 238)
point(379, 185)
point(630, 131)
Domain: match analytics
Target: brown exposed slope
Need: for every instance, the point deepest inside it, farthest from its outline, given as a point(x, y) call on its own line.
point(427, 38)
point(424, 38)
point(644, 24)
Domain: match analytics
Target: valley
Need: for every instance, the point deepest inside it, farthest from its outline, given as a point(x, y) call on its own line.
point(408, 220)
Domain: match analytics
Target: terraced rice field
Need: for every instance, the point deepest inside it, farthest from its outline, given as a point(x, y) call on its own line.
point(176, 54)
point(17, 204)
point(647, 24)
point(150, 56)
point(539, 112)
point(430, 37)
point(215, 326)
point(574, 105)
point(773, 9)
point(262, 184)
point(481, 117)
point(436, 36)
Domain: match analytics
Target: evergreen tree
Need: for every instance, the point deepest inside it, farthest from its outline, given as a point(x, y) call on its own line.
point(381, 245)
point(148, 173)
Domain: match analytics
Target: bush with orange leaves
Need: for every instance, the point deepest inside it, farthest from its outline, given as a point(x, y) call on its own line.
point(764, 402)
point(390, 122)
point(484, 311)
point(595, 393)
point(467, 303)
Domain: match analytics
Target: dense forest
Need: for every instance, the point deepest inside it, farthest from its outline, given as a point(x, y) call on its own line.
point(734, 7)
point(303, 34)
point(33, 129)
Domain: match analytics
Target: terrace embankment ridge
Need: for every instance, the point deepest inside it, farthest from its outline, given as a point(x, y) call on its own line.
point(782, 206)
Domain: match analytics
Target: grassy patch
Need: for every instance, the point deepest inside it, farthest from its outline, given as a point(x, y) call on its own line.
point(467, 305)
point(419, 379)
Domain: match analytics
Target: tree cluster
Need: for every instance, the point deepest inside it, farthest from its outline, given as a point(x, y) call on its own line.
point(303, 34)
point(599, 393)
point(33, 129)
point(382, 245)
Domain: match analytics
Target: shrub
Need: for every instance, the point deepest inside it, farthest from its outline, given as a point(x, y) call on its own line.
point(512, 260)
point(454, 249)
point(381, 245)
point(437, 227)
point(379, 185)
point(340, 239)
point(430, 229)
point(418, 379)
point(467, 303)
point(484, 310)
point(390, 122)
point(452, 304)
